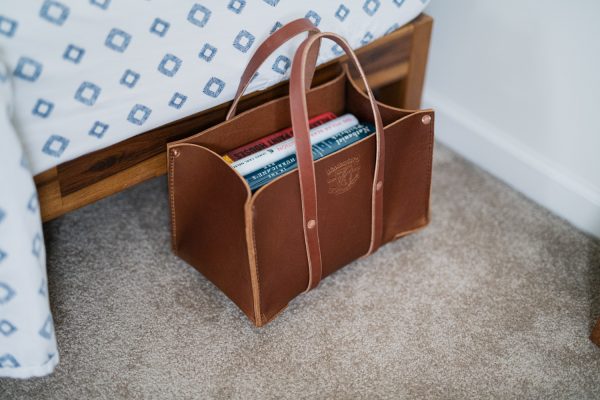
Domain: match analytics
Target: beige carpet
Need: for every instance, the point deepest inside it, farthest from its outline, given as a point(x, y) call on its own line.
point(496, 298)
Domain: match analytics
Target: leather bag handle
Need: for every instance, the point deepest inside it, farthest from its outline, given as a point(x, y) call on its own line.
point(266, 48)
point(301, 69)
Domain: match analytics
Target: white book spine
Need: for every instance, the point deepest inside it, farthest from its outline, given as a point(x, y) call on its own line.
point(260, 159)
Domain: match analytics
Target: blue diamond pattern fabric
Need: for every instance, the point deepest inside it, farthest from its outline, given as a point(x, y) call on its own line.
point(371, 7)
point(98, 129)
point(275, 27)
point(87, 93)
point(91, 73)
point(42, 108)
point(236, 6)
point(8, 361)
point(159, 27)
point(169, 65)
point(129, 78)
point(208, 52)
point(392, 29)
point(54, 12)
point(117, 40)
point(6, 292)
point(314, 17)
point(366, 38)
point(32, 204)
point(139, 114)
point(281, 64)
point(103, 4)
point(55, 145)
point(199, 15)
point(342, 12)
point(37, 245)
point(243, 41)
point(28, 69)
point(73, 54)
point(214, 87)
point(337, 50)
point(7, 328)
point(47, 329)
point(8, 26)
point(272, 2)
point(43, 291)
point(178, 100)
point(23, 308)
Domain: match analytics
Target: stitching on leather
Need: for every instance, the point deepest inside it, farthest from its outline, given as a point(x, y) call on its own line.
point(172, 196)
point(253, 264)
point(256, 266)
point(430, 166)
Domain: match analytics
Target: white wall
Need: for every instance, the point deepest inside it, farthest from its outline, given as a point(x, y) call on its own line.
point(516, 88)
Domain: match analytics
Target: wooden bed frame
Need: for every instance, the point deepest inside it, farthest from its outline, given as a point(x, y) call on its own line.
point(394, 64)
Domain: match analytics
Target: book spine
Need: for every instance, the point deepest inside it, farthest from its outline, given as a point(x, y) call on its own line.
point(328, 146)
point(341, 140)
point(281, 150)
point(266, 174)
point(274, 138)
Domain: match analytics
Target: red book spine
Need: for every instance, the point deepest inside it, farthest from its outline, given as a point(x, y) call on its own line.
point(274, 138)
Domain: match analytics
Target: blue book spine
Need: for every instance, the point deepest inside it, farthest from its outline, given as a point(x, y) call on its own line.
point(328, 146)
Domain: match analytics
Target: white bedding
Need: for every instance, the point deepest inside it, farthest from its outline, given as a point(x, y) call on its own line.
point(87, 74)
point(91, 73)
point(27, 341)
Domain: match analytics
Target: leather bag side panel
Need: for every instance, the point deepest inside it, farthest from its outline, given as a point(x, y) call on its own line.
point(208, 220)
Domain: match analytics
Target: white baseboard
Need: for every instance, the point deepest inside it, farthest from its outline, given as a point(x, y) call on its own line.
point(492, 149)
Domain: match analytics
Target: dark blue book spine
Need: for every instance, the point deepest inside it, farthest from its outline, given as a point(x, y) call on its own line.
point(328, 146)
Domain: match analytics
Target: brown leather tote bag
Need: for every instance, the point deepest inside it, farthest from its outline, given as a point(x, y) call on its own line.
point(263, 249)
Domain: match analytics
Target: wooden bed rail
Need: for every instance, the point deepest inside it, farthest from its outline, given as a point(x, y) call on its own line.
point(395, 66)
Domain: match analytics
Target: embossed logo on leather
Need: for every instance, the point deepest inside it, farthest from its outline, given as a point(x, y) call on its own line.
point(343, 176)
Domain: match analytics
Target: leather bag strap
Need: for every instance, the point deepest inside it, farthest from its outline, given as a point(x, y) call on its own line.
point(266, 48)
point(301, 69)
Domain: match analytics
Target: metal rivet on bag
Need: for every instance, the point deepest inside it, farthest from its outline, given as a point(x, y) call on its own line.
point(175, 153)
point(379, 185)
point(311, 224)
point(426, 120)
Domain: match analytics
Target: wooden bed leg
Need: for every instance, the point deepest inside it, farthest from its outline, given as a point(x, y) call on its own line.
point(595, 336)
point(412, 87)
